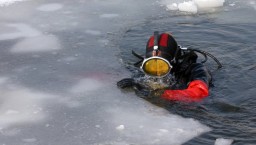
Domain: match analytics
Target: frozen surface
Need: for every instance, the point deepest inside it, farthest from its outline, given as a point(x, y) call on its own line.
point(58, 68)
point(62, 63)
point(19, 104)
point(167, 130)
point(18, 31)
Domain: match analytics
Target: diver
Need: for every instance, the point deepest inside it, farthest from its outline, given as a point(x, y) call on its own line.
point(170, 70)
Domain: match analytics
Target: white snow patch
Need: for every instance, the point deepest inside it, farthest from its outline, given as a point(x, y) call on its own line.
point(253, 4)
point(22, 30)
point(10, 132)
point(93, 32)
point(189, 6)
point(20, 105)
point(10, 112)
point(109, 15)
point(172, 7)
point(8, 2)
point(86, 85)
point(69, 102)
point(233, 4)
point(29, 140)
point(120, 127)
point(193, 6)
point(209, 3)
point(50, 7)
point(222, 141)
point(37, 44)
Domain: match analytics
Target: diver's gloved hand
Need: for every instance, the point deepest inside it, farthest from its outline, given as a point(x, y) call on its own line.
point(126, 82)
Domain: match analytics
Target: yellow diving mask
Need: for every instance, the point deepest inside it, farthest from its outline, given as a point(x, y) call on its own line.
point(156, 66)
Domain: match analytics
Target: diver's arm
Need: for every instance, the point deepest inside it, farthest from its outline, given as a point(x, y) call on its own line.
point(199, 78)
point(199, 72)
point(196, 91)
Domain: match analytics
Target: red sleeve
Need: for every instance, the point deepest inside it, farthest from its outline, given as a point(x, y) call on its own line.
point(196, 91)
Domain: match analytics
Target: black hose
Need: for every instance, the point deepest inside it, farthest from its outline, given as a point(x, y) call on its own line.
point(138, 56)
point(208, 54)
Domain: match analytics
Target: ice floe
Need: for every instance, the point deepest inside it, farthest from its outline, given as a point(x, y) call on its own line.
point(193, 6)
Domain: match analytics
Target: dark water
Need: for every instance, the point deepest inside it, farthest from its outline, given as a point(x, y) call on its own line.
point(230, 109)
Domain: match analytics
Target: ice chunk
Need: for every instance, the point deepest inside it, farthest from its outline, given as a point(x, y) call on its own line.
point(222, 141)
point(172, 7)
point(209, 3)
point(37, 44)
point(159, 126)
point(120, 127)
point(188, 7)
point(50, 7)
point(193, 6)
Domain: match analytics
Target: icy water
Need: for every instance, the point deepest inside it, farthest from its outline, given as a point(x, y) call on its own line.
point(230, 108)
point(60, 61)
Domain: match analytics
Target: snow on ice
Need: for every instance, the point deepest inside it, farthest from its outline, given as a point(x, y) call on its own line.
point(8, 2)
point(195, 5)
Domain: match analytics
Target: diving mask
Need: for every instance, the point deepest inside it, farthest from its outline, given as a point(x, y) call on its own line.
point(156, 66)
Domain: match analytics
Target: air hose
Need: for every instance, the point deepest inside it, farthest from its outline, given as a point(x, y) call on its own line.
point(205, 54)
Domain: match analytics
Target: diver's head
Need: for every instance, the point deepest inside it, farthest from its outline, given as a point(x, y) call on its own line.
point(161, 54)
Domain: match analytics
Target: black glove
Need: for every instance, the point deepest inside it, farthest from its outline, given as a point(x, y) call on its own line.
point(126, 82)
